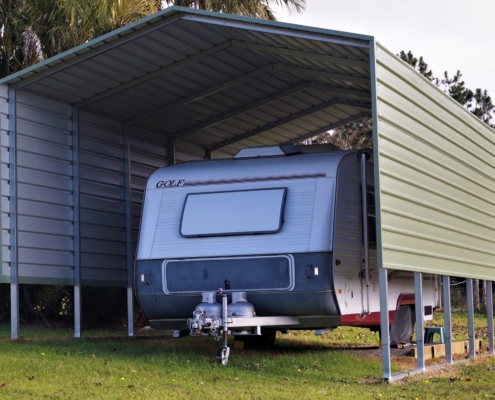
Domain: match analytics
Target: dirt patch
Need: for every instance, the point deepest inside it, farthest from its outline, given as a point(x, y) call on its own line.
point(376, 352)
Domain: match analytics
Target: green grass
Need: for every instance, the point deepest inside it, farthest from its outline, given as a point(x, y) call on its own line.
point(48, 364)
point(459, 325)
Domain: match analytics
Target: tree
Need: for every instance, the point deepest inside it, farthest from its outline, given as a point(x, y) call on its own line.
point(64, 24)
point(249, 8)
point(455, 88)
point(421, 66)
point(483, 107)
point(19, 45)
point(353, 135)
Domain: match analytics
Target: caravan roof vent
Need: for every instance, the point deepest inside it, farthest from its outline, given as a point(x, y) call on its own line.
point(268, 151)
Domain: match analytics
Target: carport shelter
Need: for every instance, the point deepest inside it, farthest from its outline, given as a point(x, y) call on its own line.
point(82, 131)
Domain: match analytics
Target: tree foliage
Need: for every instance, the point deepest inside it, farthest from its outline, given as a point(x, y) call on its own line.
point(483, 107)
point(455, 88)
point(419, 65)
point(353, 135)
point(250, 8)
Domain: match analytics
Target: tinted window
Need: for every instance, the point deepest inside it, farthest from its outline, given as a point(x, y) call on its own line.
point(233, 213)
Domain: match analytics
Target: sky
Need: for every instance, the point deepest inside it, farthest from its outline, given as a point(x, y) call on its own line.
point(451, 35)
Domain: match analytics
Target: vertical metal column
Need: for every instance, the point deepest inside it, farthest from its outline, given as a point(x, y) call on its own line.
point(470, 307)
point(208, 154)
point(382, 272)
point(447, 317)
point(128, 232)
point(420, 329)
point(14, 251)
point(384, 323)
point(440, 285)
point(364, 204)
point(489, 312)
point(171, 151)
point(77, 224)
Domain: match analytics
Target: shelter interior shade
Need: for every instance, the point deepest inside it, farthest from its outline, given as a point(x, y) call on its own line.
point(233, 213)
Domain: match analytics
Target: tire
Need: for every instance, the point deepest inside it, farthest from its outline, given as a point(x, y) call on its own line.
point(223, 355)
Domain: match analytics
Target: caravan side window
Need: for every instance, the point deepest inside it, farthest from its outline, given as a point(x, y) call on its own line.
point(370, 196)
point(242, 212)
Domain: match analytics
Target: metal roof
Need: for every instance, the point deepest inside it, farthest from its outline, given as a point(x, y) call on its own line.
point(216, 80)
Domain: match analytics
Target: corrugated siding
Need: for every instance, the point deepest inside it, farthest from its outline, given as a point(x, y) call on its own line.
point(437, 177)
point(102, 199)
point(4, 170)
point(45, 198)
point(149, 151)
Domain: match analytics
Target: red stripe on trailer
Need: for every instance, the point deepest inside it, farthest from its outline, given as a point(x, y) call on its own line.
point(371, 319)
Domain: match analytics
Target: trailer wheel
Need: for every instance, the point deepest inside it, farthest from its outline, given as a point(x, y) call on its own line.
point(223, 355)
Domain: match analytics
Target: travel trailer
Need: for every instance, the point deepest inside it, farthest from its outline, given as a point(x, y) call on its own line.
point(284, 236)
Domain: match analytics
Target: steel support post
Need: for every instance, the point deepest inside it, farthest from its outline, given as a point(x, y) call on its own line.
point(77, 224)
point(364, 212)
point(489, 312)
point(447, 317)
point(128, 229)
point(14, 253)
point(77, 311)
point(470, 307)
point(384, 323)
point(420, 329)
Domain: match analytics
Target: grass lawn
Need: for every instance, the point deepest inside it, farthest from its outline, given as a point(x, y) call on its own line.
point(47, 364)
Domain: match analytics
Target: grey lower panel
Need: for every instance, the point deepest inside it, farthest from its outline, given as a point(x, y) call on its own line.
point(312, 293)
point(294, 323)
point(239, 273)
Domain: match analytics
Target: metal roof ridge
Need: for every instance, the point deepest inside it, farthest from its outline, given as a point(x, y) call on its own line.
point(278, 24)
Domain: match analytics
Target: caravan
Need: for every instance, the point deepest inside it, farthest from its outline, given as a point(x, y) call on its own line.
point(285, 234)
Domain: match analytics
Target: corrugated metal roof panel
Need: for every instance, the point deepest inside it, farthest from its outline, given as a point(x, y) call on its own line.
point(211, 78)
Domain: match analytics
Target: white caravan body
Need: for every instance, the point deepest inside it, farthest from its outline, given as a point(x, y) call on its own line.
point(285, 228)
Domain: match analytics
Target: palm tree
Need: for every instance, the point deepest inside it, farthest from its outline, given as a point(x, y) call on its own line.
point(31, 30)
point(63, 24)
point(19, 44)
point(248, 8)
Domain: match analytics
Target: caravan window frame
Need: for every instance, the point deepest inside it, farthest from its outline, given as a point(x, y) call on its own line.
point(239, 232)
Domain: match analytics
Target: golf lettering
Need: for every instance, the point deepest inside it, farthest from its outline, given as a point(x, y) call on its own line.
point(170, 183)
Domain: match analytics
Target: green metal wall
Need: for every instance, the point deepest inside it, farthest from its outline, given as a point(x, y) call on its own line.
point(436, 167)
